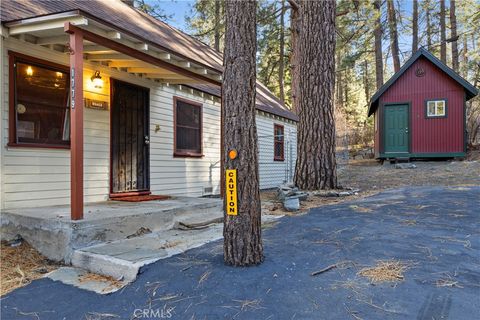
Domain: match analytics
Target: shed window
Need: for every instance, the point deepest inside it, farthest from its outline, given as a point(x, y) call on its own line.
point(279, 148)
point(436, 108)
point(39, 112)
point(188, 128)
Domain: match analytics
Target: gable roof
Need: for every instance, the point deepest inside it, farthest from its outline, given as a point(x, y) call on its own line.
point(131, 21)
point(470, 90)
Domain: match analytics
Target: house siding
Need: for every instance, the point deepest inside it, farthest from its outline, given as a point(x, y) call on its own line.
point(273, 173)
point(429, 135)
point(41, 177)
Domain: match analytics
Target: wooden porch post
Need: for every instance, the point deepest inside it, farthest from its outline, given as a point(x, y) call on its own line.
point(76, 123)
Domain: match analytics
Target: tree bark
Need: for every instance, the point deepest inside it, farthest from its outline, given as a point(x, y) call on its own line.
point(242, 233)
point(415, 27)
point(339, 81)
point(443, 36)
point(217, 26)
point(428, 25)
point(316, 163)
point(281, 66)
point(378, 44)
point(465, 57)
point(365, 80)
point(453, 35)
point(392, 24)
point(295, 25)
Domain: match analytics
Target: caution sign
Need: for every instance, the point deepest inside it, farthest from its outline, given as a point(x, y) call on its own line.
point(231, 191)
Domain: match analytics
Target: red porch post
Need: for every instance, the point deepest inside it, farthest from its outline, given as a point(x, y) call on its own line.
point(76, 123)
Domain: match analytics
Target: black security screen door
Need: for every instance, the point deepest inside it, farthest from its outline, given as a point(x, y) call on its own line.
point(130, 138)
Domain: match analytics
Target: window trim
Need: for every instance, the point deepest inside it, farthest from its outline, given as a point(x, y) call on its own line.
point(180, 153)
point(275, 157)
point(445, 101)
point(13, 58)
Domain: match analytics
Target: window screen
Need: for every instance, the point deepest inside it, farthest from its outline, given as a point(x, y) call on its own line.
point(188, 128)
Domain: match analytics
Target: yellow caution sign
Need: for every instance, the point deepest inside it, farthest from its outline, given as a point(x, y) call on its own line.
point(231, 191)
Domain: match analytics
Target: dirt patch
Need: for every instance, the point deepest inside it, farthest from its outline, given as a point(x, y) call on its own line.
point(369, 175)
point(385, 271)
point(20, 265)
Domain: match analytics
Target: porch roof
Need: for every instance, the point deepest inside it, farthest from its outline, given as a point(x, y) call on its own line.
point(123, 18)
point(186, 60)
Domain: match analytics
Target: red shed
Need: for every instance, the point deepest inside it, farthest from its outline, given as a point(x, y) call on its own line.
point(420, 111)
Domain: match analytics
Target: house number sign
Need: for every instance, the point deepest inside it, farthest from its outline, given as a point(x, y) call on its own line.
point(231, 191)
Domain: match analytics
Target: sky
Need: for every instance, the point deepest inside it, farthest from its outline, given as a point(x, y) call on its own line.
point(177, 8)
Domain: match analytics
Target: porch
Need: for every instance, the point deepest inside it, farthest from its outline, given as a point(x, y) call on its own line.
point(54, 234)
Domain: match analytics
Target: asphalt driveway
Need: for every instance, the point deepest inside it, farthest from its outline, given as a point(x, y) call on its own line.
point(435, 230)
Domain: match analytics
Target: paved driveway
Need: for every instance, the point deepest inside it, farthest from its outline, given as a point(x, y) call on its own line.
point(433, 229)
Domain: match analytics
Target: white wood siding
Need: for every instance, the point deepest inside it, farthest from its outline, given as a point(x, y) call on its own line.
point(40, 177)
point(273, 173)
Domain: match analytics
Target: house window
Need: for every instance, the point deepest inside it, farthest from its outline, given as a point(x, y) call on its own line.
point(39, 113)
point(436, 108)
point(188, 128)
point(279, 145)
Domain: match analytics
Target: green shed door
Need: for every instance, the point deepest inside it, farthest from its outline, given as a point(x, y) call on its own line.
point(396, 128)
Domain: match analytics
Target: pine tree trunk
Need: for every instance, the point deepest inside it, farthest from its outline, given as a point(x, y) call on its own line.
point(415, 27)
point(443, 34)
point(242, 233)
point(281, 65)
point(316, 163)
point(392, 24)
point(365, 80)
point(453, 35)
point(378, 44)
point(339, 81)
point(217, 26)
point(295, 25)
point(428, 25)
point(465, 58)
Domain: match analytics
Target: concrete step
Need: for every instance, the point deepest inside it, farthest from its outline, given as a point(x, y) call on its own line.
point(122, 259)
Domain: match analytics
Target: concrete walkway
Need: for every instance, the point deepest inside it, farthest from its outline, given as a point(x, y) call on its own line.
point(433, 229)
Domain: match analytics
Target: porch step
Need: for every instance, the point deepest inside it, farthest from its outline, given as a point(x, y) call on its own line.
point(122, 259)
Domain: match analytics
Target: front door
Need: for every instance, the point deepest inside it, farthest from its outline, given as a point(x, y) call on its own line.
point(129, 138)
point(396, 128)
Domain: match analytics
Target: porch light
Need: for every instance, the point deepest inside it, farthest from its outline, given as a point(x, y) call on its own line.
point(29, 71)
point(97, 80)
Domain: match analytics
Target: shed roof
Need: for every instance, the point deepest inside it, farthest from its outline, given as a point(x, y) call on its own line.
point(470, 90)
point(131, 21)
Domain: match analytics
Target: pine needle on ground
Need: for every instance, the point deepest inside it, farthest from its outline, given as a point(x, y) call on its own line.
point(385, 271)
point(20, 265)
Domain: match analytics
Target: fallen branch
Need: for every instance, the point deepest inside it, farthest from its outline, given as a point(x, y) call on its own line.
point(330, 267)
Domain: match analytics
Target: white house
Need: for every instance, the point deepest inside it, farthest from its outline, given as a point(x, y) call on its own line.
point(99, 101)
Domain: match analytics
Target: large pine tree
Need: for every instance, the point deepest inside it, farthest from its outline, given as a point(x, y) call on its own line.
point(242, 232)
point(316, 163)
